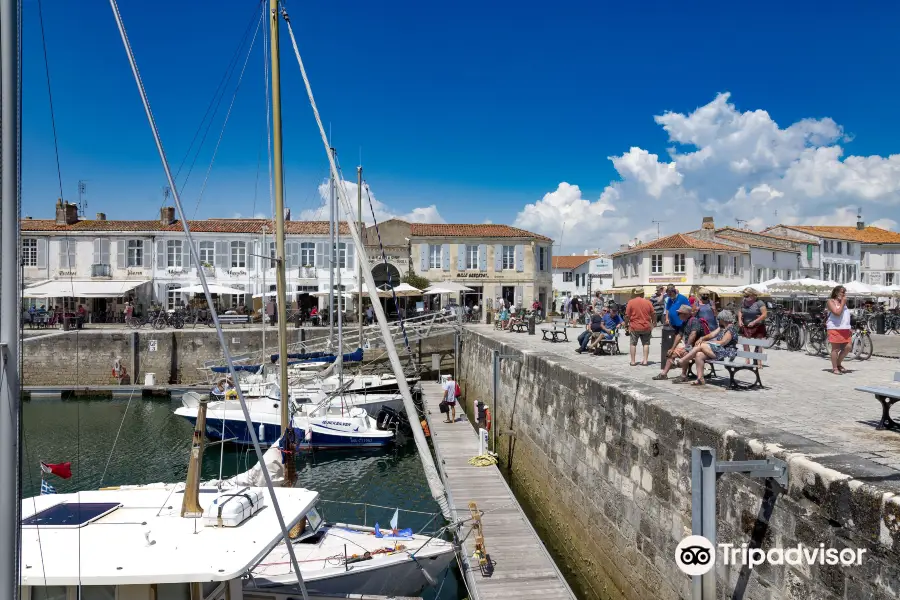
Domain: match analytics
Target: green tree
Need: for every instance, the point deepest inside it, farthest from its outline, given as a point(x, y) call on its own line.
point(417, 281)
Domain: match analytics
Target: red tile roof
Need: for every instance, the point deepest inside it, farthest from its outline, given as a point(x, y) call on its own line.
point(468, 230)
point(869, 235)
point(754, 243)
point(680, 241)
point(570, 262)
point(783, 238)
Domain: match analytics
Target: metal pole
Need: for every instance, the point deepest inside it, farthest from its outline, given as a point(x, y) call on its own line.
point(359, 310)
point(280, 277)
point(331, 256)
point(495, 421)
point(703, 512)
point(340, 294)
point(10, 178)
point(264, 296)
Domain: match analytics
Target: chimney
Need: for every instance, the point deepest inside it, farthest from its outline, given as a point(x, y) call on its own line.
point(101, 216)
point(860, 224)
point(708, 223)
point(66, 213)
point(27, 218)
point(167, 215)
point(287, 214)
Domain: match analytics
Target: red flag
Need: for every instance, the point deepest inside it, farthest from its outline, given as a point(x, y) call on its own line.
point(63, 470)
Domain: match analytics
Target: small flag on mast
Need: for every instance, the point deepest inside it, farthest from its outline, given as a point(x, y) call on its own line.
point(63, 470)
point(46, 488)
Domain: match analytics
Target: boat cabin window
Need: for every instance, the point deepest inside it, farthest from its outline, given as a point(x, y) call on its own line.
point(51, 592)
point(173, 591)
point(314, 519)
point(98, 592)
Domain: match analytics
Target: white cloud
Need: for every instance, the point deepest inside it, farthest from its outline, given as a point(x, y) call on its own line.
point(423, 214)
point(728, 164)
point(258, 215)
point(889, 224)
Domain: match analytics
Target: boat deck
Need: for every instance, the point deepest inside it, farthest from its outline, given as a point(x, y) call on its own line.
point(522, 567)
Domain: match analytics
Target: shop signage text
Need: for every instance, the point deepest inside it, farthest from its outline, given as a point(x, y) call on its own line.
point(668, 279)
point(472, 275)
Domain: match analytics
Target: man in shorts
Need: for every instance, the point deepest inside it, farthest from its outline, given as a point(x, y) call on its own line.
point(690, 331)
point(640, 316)
point(450, 388)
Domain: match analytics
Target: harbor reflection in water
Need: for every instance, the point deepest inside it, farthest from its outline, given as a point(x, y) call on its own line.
point(153, 446)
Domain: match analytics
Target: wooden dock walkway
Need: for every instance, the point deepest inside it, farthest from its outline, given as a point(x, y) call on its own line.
point(523, 569)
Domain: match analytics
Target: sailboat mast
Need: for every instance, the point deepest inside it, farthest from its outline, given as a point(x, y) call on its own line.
point(10, 180)
point(359, 310)
point(278, 175)
point(331, 257)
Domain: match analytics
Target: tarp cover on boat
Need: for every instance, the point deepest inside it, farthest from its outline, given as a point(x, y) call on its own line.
point(355, 356)
point(305, 355)
point(248, 368)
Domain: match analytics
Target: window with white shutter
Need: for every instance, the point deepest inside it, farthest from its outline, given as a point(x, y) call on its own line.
point(134, 253)
point(509, 257)
point(307, 254)
point(207, 253)
point(238, 255)
point(174, 253)
point(29, 252)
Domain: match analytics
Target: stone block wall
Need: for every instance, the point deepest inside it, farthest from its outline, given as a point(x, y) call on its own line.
point(603, 467)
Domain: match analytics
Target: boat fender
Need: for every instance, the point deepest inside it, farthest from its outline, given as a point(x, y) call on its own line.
point(487, 419)
point(425, 428)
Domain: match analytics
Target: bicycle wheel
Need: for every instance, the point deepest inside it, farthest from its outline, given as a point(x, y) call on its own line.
point(178, 322)
point(815, 345)
point(862, 346)
point(159, 322)
point(792, 337)
point(132, 323)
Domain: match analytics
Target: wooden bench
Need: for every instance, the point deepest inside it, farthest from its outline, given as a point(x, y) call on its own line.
point(887, 396)
point(552, 334)
point(734, 366)
point(234, 319)
point(520, 327)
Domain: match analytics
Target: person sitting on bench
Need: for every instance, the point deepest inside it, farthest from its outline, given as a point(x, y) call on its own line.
point(606, 325)
point(719, 344)
point(689, 333)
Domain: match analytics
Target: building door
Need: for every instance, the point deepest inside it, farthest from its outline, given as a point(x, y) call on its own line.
point(508, 293)
point(542, 298)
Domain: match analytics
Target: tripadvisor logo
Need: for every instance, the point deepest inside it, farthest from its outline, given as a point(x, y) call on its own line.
point(695, 555)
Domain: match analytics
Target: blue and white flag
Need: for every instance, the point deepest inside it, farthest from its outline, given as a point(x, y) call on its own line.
point(46, 488)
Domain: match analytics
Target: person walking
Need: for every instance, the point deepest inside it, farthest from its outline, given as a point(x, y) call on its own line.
point(271, 312)
point(451, 393)
point(752, 318)
point(659, 304)
point(838, 326)
point(639, 316)
point(706, 310)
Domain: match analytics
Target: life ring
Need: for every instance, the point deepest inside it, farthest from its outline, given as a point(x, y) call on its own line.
point(487, 419)
point(231, 395)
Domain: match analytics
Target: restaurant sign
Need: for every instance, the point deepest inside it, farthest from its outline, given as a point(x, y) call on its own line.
point(465, 275)
point(668, 279)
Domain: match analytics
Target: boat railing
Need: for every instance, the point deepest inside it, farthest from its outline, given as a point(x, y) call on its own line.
point(382, 514)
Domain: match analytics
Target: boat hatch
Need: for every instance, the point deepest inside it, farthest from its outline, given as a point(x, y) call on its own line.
point(309, 526)
point(70, 514)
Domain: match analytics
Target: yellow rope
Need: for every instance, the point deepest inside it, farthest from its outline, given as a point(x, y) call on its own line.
point(483, 460)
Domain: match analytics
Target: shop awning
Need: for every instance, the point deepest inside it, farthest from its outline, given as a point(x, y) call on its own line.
point(81, 289)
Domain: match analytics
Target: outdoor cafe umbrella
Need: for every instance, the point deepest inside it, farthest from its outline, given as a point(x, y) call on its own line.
point(436, 290)
point(214, 288)
point(449, 287)
point(404, 290)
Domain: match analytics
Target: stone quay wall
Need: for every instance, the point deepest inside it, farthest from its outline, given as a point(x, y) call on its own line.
point(86, 358)
point(603, 468)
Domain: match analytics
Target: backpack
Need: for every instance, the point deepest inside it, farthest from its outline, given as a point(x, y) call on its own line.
point(704, 324)
point(457, 392)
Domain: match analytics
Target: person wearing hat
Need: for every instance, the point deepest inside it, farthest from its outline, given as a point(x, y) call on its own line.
point(639, 316)
point(690, 332)
point(719, 344)
point(751, 318)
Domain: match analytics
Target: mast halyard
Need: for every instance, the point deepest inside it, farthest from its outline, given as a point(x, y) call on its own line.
point(359, 308)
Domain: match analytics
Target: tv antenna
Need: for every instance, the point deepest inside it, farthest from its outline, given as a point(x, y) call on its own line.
point(82, 203)
point(740, 222)
point(657, 227)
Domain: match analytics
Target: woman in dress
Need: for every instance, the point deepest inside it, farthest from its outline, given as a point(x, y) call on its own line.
point(719, 344)
point(752, 318)
point(838, 326)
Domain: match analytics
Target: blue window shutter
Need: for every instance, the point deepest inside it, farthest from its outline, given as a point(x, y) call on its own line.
point(251, 259)
point(42, 253)
point(482, 257)
point(445, 256)
point(121, 261)
point(96, 259)
point(423, 257)
point(520, 257)
point(145, 259)
point(351, 256)
point(161, 255)
point(498, 257)
point(461, 251)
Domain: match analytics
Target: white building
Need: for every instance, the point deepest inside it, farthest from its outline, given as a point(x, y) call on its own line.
point(581, 275)
point(770, 256)
point(868, 254)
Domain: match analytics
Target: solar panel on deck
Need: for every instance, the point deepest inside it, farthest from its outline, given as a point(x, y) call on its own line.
point(70, 514)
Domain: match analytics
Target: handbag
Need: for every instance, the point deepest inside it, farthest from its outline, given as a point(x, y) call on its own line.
point(444, 406)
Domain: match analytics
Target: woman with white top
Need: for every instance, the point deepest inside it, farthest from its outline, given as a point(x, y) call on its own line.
point(838, 326)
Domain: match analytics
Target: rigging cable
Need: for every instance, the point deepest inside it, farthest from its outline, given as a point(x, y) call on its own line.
point(219, 332)
point(227, 116)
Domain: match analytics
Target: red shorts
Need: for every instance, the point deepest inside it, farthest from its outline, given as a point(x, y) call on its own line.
point(839, 336)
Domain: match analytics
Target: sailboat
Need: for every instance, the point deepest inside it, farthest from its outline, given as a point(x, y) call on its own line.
point(224, 543)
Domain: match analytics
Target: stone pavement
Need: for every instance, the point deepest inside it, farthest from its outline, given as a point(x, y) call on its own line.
point(801, 396)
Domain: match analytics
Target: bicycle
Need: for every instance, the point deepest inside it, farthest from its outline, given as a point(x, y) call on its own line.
point(861, 342)
point(783, 327)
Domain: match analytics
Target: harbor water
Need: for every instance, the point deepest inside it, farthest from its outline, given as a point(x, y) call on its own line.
point(150, 444)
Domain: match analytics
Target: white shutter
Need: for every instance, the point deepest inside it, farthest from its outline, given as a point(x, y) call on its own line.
point(104, 251)
point(145, 258)
point(161, 255)
point(461, 251)
point(351, 255)
point(520, 258)
point(42, 253)
point(121, 259)
point(185, 254)
point(424, 258)
point(251, 250)
point(320, 255)
point(445, 257)
point(482, 257)
point(498, 257)
point(96, 258)
point(520, 300)
point(223, 255)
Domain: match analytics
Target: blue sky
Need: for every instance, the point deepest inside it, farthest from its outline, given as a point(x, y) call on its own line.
point(477, 108)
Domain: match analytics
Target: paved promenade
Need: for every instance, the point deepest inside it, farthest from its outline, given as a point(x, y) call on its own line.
point(801, 395)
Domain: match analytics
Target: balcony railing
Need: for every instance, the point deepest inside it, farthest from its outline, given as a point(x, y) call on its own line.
point(101, 271)
point(209, 271)
point(307, 273)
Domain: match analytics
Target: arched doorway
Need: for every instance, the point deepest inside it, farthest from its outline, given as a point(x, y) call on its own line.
point(382, 272)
